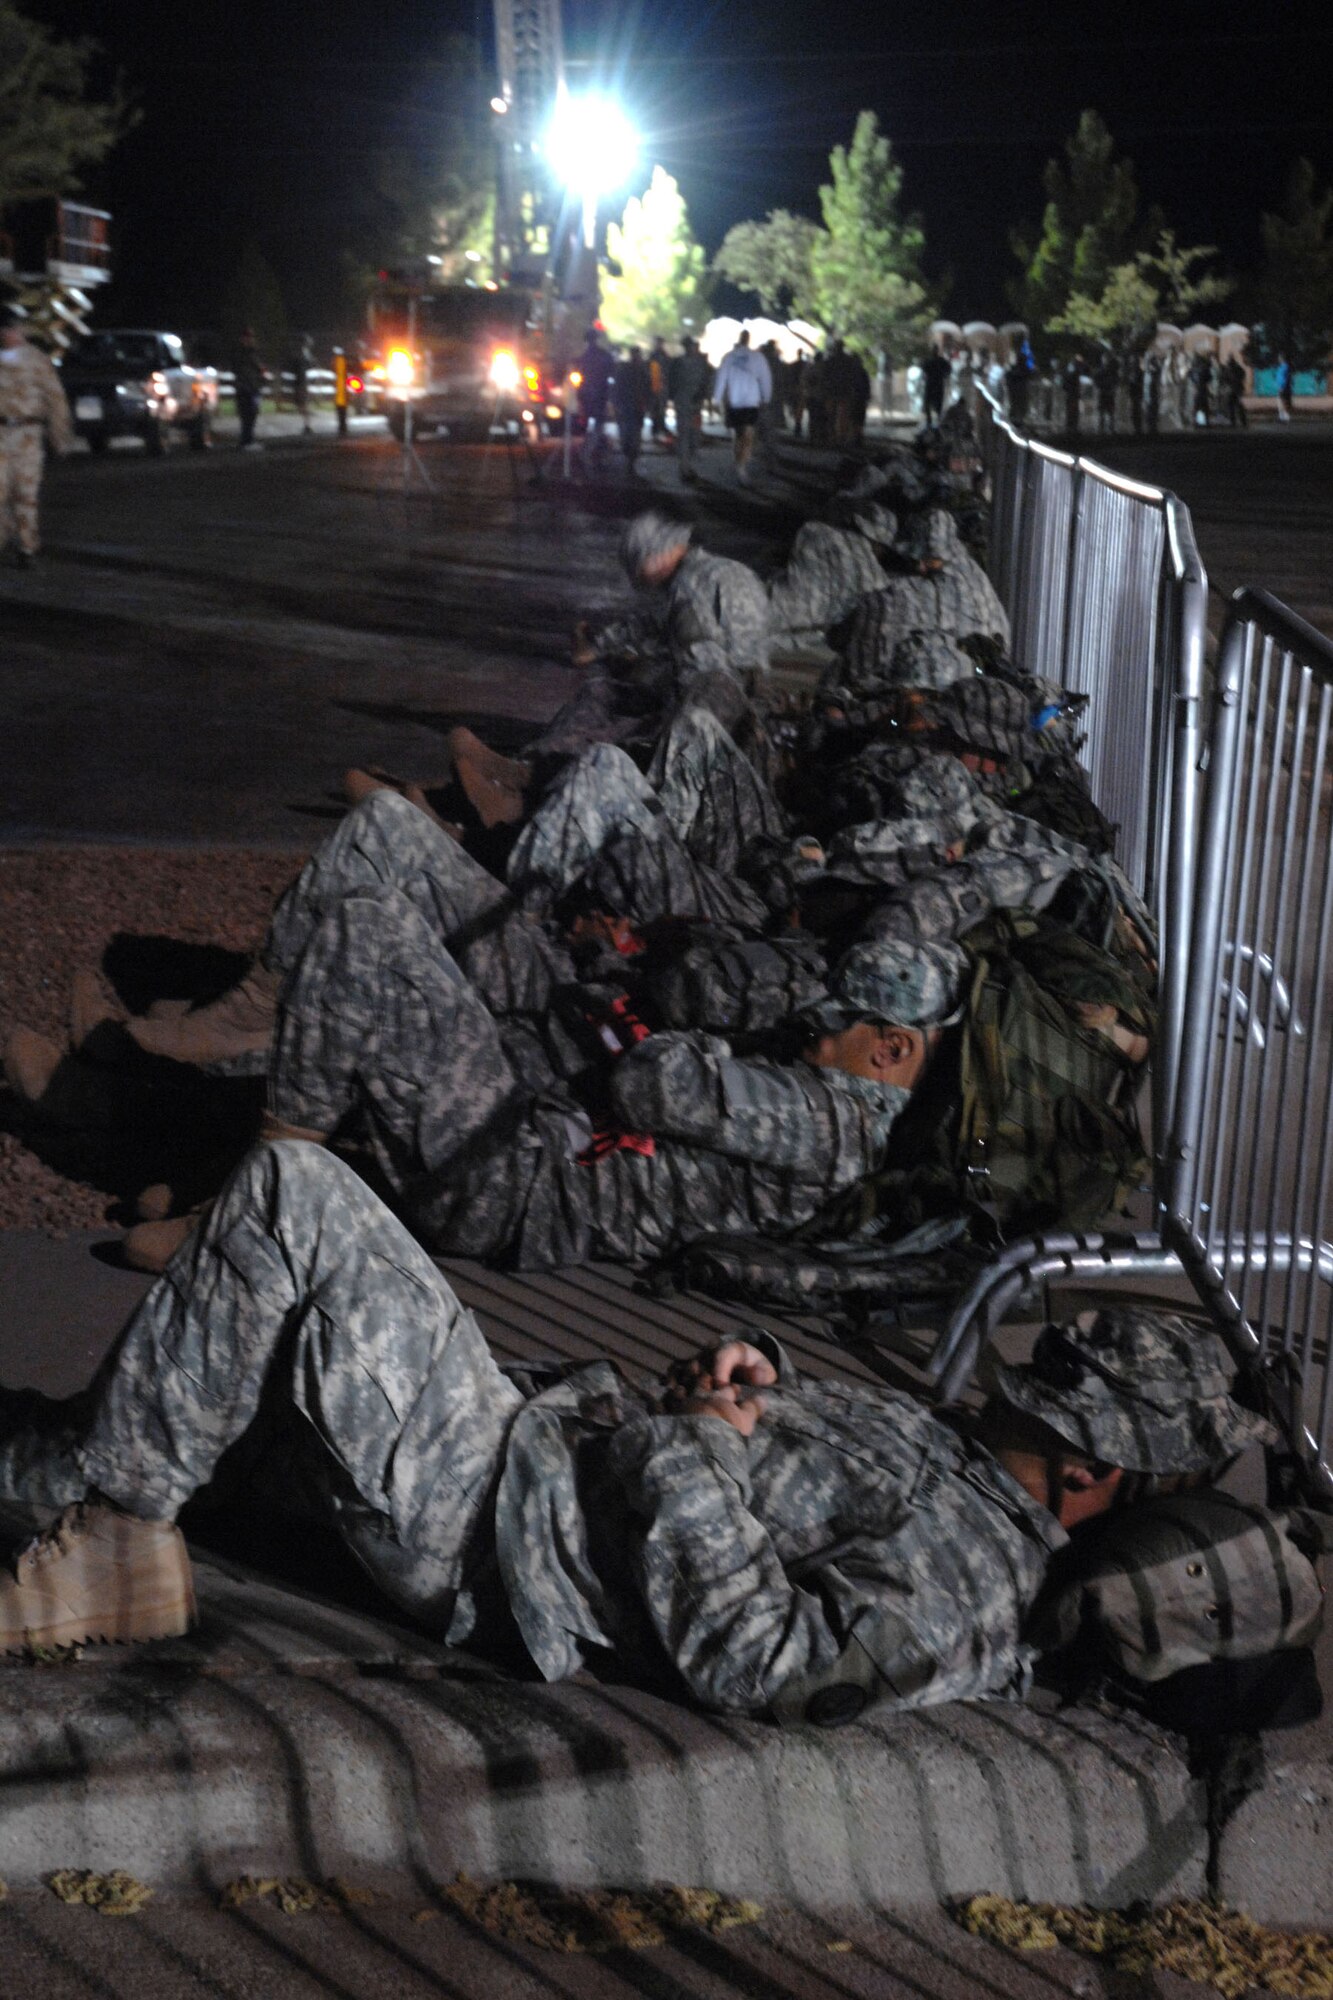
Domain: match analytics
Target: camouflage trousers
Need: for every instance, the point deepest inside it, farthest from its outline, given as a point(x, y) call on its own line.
point(302, 1294)
point(376, 1017)
point(700, 787)
point(386, 844)
point(21, 459)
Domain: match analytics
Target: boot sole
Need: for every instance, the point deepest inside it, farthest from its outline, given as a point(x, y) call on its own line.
point(164, 1620)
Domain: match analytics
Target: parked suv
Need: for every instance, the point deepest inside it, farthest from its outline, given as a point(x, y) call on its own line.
point(132, 383)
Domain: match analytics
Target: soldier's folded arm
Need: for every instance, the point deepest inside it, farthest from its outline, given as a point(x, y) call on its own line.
point(689, 1087)
point(731, 1621)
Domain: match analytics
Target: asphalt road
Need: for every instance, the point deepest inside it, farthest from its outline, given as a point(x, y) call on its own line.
point(1261, 501)
point(209, 640)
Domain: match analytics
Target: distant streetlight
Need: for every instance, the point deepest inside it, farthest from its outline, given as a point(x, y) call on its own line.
point(593, 148)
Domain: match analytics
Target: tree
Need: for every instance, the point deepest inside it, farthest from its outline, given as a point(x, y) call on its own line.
point(662, 281)
point(253, 297)
point(773, 259)
point(49, 128)
point(1182, 288)
point(429, 186)
point(866, 261)
point(1087, 229)
point(1124, 316)
point(1293, 296)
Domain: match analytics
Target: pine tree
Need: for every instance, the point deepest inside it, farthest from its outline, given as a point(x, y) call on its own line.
point(1293, 295)
point(866, 262)
point(659, 283)
point(49, 129)
point(773, 259)
point(1087, 230)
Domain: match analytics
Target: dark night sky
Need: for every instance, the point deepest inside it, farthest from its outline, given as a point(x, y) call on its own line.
point(256, 113)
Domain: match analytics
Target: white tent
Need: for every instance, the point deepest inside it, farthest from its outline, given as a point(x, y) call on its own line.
point(794, 337)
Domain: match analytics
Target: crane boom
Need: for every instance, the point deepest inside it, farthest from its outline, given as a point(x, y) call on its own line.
point(530, 60)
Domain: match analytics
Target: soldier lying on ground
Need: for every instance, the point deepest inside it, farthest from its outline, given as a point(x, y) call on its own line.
point(760, 1544)
point(375, 1023)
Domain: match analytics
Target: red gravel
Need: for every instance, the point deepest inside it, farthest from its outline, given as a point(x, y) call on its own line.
point(60, 908)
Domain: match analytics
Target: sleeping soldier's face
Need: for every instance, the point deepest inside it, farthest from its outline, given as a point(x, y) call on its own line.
point(874, 1049)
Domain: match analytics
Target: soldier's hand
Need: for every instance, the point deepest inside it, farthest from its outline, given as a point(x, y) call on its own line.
point(736, 1361)
point(738, 1407)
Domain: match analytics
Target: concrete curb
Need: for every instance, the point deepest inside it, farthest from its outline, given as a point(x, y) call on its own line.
point(292, 1737)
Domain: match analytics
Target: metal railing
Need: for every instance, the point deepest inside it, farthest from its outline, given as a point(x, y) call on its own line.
point(1244, 1181)
point(1107, 595)
point(1249, 1184)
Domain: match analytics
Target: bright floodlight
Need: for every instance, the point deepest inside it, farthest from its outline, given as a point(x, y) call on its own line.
point(591, 144)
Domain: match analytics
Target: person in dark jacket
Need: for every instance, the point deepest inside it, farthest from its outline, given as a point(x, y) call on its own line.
point(594, 369)
point(631, 393)
point(248, 373)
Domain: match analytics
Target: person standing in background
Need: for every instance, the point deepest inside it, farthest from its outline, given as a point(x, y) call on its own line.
point(33, 414)
point(248, 377)
point(742, 387)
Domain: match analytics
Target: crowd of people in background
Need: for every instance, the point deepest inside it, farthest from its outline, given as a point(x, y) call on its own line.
point(1099, 391)
point(824, 395)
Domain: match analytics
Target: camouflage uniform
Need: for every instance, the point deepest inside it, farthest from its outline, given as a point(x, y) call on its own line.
point(714, 615)
point(959, 602)
point(827, 572)
point(853, 1549)
point(1014, 865)
point(33, 410)
point(386, 844)
point(700, 788)
point(378, 1021)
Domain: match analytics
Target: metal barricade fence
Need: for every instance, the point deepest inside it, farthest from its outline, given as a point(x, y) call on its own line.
point(1249, 1182)
point(1106, 594)
point(1244, 1183)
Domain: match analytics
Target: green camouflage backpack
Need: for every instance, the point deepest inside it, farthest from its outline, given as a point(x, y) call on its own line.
point(1029, 1118)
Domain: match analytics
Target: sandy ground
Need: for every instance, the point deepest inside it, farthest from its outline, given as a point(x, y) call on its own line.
point(160, 922)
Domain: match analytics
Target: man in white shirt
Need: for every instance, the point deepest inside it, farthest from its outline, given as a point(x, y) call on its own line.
point(744, 383)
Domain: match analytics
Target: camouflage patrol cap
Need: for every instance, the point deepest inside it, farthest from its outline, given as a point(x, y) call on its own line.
point(930, 660)
point(648, 536)
point(1144, 1390)
point(985, 714)
point(902, 985)
point(936, 784)
point(930, 536)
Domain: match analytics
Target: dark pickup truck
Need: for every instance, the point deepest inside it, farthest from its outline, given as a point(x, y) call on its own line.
point(134, 383)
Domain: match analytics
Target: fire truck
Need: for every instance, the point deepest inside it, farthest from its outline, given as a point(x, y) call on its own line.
point(467, 359)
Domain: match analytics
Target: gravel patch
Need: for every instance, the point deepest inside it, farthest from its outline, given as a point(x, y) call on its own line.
point(160, 923)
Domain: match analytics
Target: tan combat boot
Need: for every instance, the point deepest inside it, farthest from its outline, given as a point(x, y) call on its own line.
point(239, 1024)
point(98, 1573)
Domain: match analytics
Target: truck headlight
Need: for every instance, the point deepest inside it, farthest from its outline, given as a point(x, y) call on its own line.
point(505, 373)
point(399, 369)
